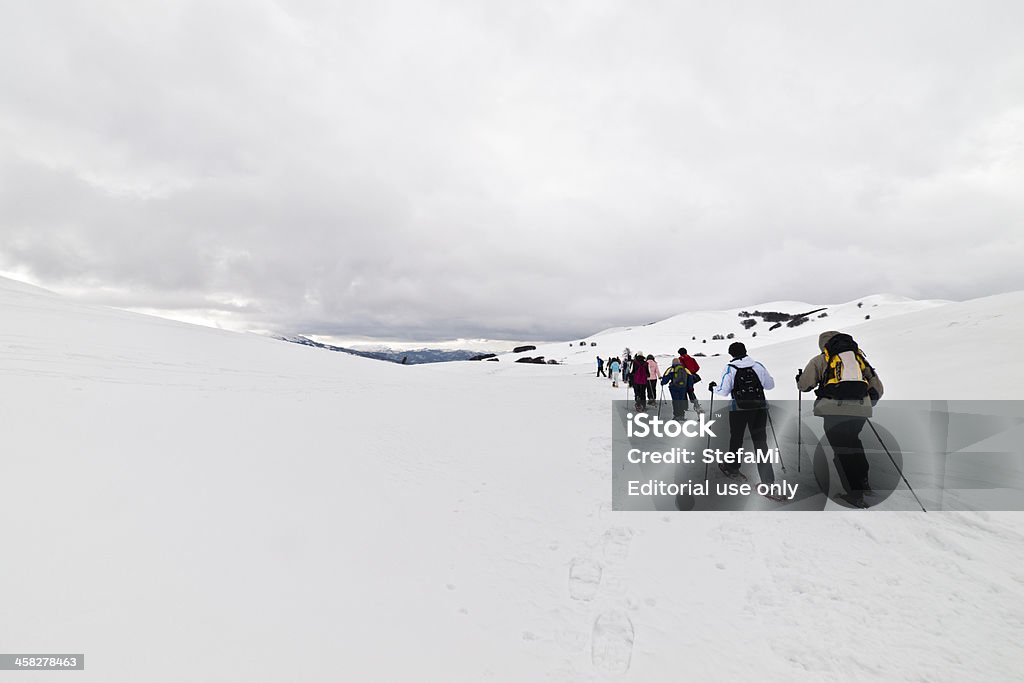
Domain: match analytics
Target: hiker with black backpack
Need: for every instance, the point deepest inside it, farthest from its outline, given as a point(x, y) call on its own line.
point(745, 381)
point(847, 388)
point(677, 377)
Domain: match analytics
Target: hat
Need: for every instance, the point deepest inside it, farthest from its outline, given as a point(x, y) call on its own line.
point(737, 350)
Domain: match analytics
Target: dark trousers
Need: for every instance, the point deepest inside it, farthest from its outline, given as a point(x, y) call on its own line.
point(652, 390)
point(679, 408)
point(843, 434)
point(640, 394)
point(756, 421)
point(600, 371)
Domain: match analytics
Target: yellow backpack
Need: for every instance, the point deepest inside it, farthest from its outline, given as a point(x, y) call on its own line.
point(846, 370)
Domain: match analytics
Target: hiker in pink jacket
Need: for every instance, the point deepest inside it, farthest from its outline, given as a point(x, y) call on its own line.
point(652, 379)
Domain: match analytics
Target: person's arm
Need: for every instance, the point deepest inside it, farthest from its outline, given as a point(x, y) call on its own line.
point(811, 376)
point(875, 388)
point(767, 381)
point(725, 386)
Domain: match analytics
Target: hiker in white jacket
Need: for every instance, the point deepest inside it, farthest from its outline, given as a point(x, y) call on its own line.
point(745, 381)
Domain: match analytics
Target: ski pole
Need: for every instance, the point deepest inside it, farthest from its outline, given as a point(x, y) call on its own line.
point(882, 443)
point(893, 460)
point(799, 419)
point(775, 436)
point(711, 412)
point(661, 396)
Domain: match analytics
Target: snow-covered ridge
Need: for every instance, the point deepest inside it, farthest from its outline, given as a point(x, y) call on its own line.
point(709, 333)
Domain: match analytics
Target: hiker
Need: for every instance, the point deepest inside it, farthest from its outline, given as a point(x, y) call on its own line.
point(652, 379)
point(691, 365)
point(600, 367)
point(745, 380)
point(613, 371)
point(639, 382)
point(847, 388)
point(677, 377)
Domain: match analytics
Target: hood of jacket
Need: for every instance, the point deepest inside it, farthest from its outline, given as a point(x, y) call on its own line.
point(824, 337)
point(745, 362)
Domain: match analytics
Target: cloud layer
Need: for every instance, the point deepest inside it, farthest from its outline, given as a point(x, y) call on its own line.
point(532, 170)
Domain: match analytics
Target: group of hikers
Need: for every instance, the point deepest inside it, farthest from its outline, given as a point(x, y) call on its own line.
point(845, 384)
point(642, 373)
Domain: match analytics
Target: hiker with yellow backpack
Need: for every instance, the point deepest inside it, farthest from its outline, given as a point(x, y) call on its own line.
point(847, 388)
point(679, 381)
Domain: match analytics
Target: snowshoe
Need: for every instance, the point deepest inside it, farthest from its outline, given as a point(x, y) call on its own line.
point(855, 500)
point(732, 474)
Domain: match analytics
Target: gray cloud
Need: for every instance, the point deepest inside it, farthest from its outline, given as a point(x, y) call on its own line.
point(529, 170)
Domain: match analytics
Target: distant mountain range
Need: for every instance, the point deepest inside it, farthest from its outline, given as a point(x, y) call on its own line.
point(408, 357)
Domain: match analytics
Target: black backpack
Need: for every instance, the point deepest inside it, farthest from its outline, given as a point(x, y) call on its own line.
point(747, 390)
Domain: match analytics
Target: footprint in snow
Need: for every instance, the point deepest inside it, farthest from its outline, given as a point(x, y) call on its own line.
point(615, 543)
point(611, 643)
point(584, 579)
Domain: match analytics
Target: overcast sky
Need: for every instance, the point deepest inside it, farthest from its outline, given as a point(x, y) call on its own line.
point(520, 169)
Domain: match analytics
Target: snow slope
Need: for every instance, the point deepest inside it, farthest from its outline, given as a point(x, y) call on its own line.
point(696, 330)
point(184, 503)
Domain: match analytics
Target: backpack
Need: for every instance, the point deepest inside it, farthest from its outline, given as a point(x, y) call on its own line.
point(845, 370)
point(680, 376)
point(747, 390)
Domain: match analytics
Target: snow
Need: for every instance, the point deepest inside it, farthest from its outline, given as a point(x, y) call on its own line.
point(184, 503)
point(696, 331)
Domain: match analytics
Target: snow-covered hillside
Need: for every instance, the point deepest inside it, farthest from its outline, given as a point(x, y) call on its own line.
point(904, 339)
point(709, 333)
point(184, 503)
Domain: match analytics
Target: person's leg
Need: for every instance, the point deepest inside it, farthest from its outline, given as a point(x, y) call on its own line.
point(652, 390)
point(639, 396)
point(679, 407)
point(758, 422)
point(857, 468)
point(737, 426)
point(843, 435)
point(691, 393)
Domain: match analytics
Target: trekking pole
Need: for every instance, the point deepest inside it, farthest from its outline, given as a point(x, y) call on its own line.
point(711, 412)
point(661, 396)
point(774, 436)
point(799, 419)
point(872, 425)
